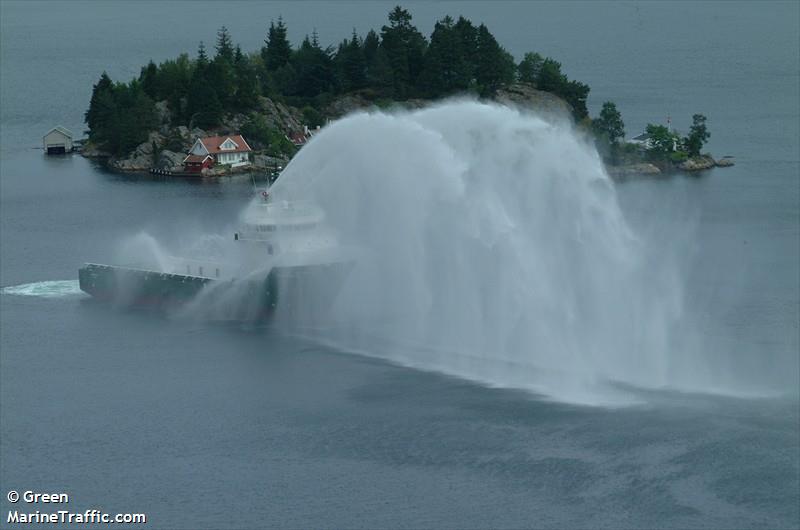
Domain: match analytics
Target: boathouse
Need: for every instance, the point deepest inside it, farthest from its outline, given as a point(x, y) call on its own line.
point(197, 163)
point(57, 141)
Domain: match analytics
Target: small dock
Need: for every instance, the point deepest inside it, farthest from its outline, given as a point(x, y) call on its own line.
point(172, 172)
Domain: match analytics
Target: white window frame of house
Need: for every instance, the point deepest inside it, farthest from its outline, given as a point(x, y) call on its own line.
point(228, 145)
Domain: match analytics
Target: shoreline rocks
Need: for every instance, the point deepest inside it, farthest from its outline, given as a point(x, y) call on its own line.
point(697, 163)
point(632, 170)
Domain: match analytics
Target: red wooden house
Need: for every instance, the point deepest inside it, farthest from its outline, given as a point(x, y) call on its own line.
point(197, 163)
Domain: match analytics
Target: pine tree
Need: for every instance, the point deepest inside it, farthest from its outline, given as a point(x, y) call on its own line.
point(351, 64)
point(609, 123)
point(204, 108)
point(378, 70)
point(494, 66)
point(576, 93)
point(247, 89)
point(446, 69)
point(221, 76)
point(224, 45)
point(201, 64)
point(313, 68)
point(278, 51)
point(405, 48)
point(698, 135)
point(99, 108)
point(149, 80)
point(529, 68)
point(468, 35)
point(550, 78)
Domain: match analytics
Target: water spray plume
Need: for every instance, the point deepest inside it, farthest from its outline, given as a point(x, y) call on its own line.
point(493, 249)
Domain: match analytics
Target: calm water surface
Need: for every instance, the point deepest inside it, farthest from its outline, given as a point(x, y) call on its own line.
point(209, 427)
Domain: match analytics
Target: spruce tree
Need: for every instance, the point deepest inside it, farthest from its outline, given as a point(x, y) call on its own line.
point(313, 68)
point(247, 89)
point(468, 34)
point(494, 66)
point(224, 45)
point(405, 48)
point(149, 80)
point(278, 51)
point(99, 107)
point(446, 69)
point(378, 70)
point(351, 64)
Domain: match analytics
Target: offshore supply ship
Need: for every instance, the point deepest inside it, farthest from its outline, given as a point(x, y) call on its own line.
point(283, 259)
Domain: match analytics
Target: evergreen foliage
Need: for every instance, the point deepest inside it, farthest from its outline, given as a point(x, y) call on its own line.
point(396, 63)
point(446, 69)
point(698, 135)
point(529, 68)
point(609, 130)
point(405, 49)
point(120, 116)
point(610, 123)
point(351, 65)
point(494, 67)
point(262, 136)
point(278, 51)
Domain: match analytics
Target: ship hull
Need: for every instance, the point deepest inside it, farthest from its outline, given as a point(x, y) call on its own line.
point(300, 291)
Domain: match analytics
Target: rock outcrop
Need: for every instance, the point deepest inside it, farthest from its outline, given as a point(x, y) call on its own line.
point(269, 162)
point(697, 163)
point(170, 160)
point(632, 170)
point(725, 161)
point(164, 116)
point(526, 97)
point(279, 116)
point(520, 95)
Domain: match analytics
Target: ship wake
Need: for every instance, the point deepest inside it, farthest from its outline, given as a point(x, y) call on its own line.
point(45, 289)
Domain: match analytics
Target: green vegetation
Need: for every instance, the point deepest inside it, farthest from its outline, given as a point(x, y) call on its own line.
point(698, 136)
point(609, 129)
point(397, 63)
point(664, 147)
point(666, 144)
point(263, 137)
point(120, 116)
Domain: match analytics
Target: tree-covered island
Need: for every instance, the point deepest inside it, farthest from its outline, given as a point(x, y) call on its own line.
point(275, 92)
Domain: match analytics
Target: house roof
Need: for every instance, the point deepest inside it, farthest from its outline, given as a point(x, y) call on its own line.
point(297, 138)
point(642, 137)
point(62, 130)
point(197, 159)
point(213, 143)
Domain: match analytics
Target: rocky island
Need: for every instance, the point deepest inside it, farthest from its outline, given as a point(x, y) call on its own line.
point(274, 99)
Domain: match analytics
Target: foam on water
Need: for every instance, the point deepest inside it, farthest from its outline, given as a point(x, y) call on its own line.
point(46, 289)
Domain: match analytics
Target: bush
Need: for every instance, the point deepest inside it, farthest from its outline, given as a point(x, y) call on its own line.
point(312, 117)
point(258, 132)
point(678, 156)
